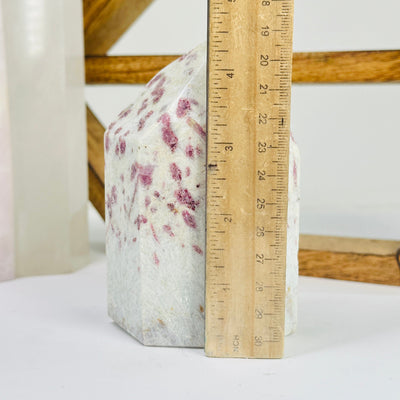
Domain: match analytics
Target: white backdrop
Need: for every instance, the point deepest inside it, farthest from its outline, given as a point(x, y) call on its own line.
point(349, 135)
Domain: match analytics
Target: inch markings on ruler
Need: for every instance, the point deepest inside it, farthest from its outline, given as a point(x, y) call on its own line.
point(249, 83)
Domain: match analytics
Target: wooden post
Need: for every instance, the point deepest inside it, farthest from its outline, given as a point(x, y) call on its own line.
point(96, 161)
point(106, 20)
point(333, 67)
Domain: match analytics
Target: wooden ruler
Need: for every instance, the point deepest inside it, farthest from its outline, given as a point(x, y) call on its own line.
point(249, 81)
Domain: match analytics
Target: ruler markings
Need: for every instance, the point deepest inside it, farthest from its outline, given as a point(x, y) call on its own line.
point(262, 336)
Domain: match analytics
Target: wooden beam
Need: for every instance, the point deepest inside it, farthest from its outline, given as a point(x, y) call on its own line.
point(95, 140)
point(96, 192)
point(349, 245)
point(95, 133)
point(350, 266)
point(337, 67)
point(347, 67)
point(125, 69)
point(106, 20)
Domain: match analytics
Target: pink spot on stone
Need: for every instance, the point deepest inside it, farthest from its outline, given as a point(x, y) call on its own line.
point(124, 113)
point(189, 151)
point(168, 135)
point(158, 91)
point(133, 171)
point(118, 131)
point(187, 171)
point(172, 208)
point(189, 219)
point(133, 199)
point(146, 175)
point(198, 150)
point(155, 79)
point(196, 127)
point(111, 199)
point(141, 123)
point(156, 194)
point(295, 173)
point(114, 194)
point(183, 107)
point(156, 260)
point(197, 249)
point(122, 177)
point(154, 233)
point(117, 149)
point(143, 106)
point(147, 201)
point(134, 240)
point(111, 125)
point(143, 120)
point(141, 219)
point(107, 142)
point(153, 210)
point(168, 230)
point(184, 197)
point(175, 172)
point(122, 145)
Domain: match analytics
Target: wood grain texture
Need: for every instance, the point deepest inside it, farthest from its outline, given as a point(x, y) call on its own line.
point(106, 20)
point(349, 245)
point(96, 192)
point(95, 141)
point(336, 67)
point(125, 69)
point(347, 67)
point(95, 132)
point(350, 267)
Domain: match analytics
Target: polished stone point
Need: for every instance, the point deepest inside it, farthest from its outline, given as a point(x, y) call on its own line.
point(155, 179)
point(43, 156)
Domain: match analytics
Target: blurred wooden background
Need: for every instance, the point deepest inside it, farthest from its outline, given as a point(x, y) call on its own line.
point(105, 21)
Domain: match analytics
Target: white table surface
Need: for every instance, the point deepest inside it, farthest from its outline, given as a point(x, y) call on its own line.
point(57, 342)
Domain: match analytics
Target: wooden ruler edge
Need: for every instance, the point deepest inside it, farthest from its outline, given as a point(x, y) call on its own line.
point(290, 14)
